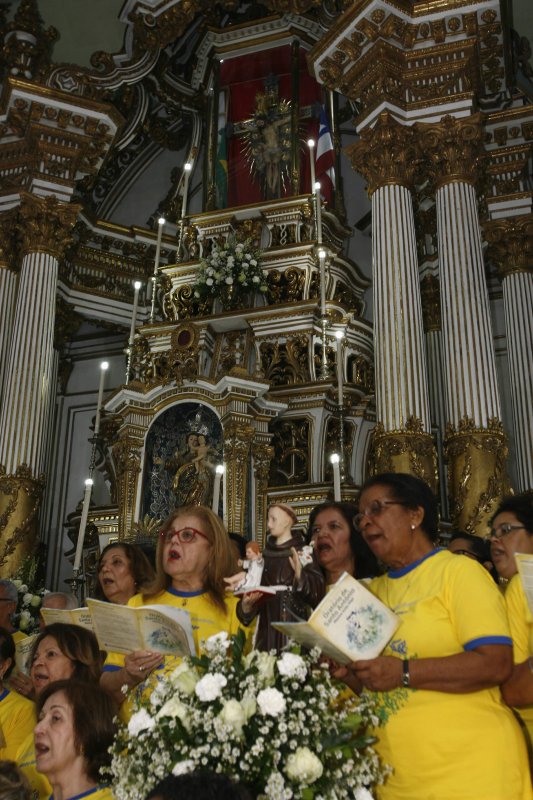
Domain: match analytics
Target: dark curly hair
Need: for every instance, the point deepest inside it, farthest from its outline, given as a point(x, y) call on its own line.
point(366, 563)
point(412, 493)
point(521, 505)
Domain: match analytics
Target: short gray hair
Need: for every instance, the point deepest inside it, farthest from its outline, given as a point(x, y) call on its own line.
point(71, 601)
point(11, 590)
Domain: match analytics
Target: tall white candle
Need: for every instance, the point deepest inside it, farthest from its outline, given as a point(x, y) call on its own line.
point(83, 524)
point(339, 335)
point(136, 286)
point(335, 463)
point(219, 471)
point(160, 225)
point(187, 168)
point(311, 146)
point(104, 366)
point(318, 202)
point(322, 262)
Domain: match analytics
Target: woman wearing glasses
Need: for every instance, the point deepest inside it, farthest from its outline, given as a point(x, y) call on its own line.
point(193, 556)
point(512, 532)
point(446, 732)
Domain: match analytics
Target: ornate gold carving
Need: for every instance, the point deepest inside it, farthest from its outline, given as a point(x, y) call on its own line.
point(291, 441)
point(477, 478)
point(511, 244)
point(20, 499)
point(45, 224)
point(410, 450)
point(238, 436)
point(285, 363)
point(27, 46)
point(127, 461)
point(361, 372)
point(287, 286)
point(431, 313)
point(9, 241)
point(454, 148)
point(333, 437)
point(385, 154)
point(345, 295)
point(231, 353)
point(262, 457)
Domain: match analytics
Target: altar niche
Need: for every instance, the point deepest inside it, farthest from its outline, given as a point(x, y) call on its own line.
point(183, 447)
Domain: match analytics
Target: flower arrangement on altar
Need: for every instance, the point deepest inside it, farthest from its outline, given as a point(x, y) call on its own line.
point(232, 269)
point(29, 601)
point(274, 723)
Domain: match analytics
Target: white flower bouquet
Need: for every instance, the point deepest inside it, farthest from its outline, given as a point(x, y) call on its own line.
point(29, 601)
point(232, 269)
point(276, 724)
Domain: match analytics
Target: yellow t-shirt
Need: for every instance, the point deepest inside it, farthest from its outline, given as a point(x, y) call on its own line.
point(445, 746)
point(521, 625)
point(17, 721)
point(100, 793)
point(206, 619)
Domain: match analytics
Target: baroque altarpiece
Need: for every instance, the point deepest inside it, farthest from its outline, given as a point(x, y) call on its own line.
point(394, 324)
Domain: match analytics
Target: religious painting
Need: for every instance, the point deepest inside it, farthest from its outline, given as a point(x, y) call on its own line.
point(183, 447)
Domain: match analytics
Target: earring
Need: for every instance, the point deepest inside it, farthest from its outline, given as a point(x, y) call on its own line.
point(413, 526)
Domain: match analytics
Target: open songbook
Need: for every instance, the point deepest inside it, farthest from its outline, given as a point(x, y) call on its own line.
point(524, 562)
point(347, 625)
point(123, 629)
point(74, 616)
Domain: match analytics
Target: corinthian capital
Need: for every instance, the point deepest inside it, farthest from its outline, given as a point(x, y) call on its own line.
point(511, 244)
point(45, 224)
point(453, 148)
point(385, 154)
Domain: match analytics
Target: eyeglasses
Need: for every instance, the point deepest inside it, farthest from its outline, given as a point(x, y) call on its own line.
point(184, 535)
point(375, 508)
point(503, 530)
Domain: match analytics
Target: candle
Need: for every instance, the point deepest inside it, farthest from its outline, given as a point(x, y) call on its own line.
point(136, 286)
point(335, 463)
point(339, 335)
point(318, 202)
point(311, 146)
point(219, 471)
point(104, 366)
point(187, 168)
point(322, 262)
point(160, 223)
point(83, 524)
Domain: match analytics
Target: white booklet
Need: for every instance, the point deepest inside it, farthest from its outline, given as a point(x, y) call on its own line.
point(123, 629)
point(74, 616)
point(349, 623)
point(524, 562)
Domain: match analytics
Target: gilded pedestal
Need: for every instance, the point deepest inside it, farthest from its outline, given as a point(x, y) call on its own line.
point(20, 498)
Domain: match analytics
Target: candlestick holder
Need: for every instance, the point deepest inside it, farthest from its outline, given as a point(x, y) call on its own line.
point(340, 410)
point(324, 370)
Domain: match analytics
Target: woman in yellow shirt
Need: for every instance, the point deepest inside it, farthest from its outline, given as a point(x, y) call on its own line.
point(17, 714)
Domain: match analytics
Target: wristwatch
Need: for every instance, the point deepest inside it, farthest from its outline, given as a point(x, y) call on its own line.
point(406, 678)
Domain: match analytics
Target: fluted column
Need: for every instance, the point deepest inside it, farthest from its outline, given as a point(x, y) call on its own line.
point(386, 156)
point(44, 225)
point(8, 289)
point(511, 247)
point(476, 445)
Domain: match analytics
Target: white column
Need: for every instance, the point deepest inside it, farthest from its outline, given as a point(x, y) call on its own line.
point(470, 365)
point(401, 375)
point(8, 291)
point(518, 304)
point(25, 406)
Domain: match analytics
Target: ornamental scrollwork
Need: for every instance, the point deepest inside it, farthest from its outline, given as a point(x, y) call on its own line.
point(285, 363)
point(291, 441)
point(287, 286)
point(46, 224)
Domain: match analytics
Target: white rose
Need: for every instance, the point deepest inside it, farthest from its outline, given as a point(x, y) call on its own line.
point(229, 280)
point(35, 601)
point(27, 598)
point(210, 687)
point(18, 583)
point(176, 709)
point(218, 643)
point(140, 721)
point(23, 588)
point(233, 714)
point(182, 767)
point(265, 664)
point(184, 678)
point(255, 279)
point(292, 666)
point(231, 261)
point(209, 281)
point(271, 702)
point(253, 262)
point(303, 766)
point(249, 706)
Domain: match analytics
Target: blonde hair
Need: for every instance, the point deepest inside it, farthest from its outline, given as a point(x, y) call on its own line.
point(221, 562)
